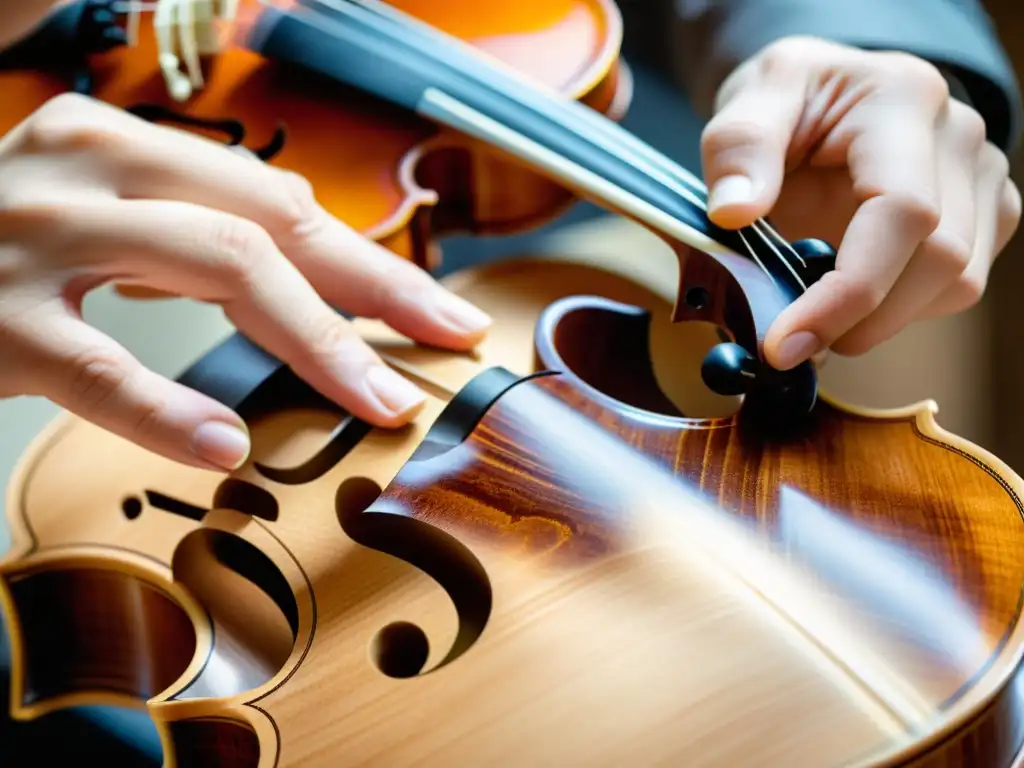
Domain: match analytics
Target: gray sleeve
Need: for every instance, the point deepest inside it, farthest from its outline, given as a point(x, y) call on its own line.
point(709, 38)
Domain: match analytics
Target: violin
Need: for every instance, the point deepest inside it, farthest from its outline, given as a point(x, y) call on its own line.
point(441, 135)
point(552, 563)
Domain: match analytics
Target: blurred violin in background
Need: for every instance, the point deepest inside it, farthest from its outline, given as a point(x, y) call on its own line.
point(553, 563)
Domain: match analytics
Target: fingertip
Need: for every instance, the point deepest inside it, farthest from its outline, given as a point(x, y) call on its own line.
point(793, 349)
point(222, 444)
point(442, 319)
point(467, 322)
point(734, 216)
point(387, 419)
point(735, 201)
point(396, 399)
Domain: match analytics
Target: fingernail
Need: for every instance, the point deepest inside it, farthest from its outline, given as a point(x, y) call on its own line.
point(463, 315)
point(222, 444)
point(731, 190)
point(796, 348)
point(396, 392)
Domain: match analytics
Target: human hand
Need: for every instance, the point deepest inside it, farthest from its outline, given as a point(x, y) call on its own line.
point(868, 152)
point(90, 194)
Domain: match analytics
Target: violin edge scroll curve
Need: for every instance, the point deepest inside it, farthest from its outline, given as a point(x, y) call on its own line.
point(922, 414)
point(988, 711)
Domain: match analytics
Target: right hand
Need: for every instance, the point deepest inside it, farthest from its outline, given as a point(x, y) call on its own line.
point(90, 194)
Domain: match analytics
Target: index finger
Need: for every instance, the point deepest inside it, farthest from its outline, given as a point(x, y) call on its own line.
point(893, 169)
point(348, 270)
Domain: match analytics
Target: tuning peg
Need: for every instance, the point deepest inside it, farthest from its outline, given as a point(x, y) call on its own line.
point(729, 369)
point(818, 256)
point(98, 30)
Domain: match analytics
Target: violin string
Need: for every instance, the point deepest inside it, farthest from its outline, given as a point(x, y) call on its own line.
point(659, 165)
point(488, 123)
point(658, 162)
point(441, 107)
point(757, 259)
point(662, 169)
point(525, 95)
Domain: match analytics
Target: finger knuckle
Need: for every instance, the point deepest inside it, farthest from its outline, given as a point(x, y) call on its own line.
point(239, 245)
point(71, 121)
point(778, 57)
point(971, 290)
point(723, 135)
point(384, 294)
point(786, 56)
point(994, 162)
point(333, 339)
point(861, 297)
point(949, 251)
point(96, 376)
point(300, 210)
point(917, 208)
point(921, 76)
point(149, 417)
point(970, 126)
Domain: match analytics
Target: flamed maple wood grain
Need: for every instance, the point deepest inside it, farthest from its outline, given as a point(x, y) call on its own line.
point(588, 577)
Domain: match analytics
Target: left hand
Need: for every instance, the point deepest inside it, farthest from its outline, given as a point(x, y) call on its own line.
point(867, 151)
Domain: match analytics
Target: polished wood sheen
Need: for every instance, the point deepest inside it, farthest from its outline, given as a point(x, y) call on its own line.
point(586, 577)
point(557, 562)
point(394, 176)
point(404, 180)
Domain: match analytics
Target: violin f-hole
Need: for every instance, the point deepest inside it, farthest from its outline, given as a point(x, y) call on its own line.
point(233, 129)
point(246, 498)
point(234, 494)
point(346, 436)
point(132, 506)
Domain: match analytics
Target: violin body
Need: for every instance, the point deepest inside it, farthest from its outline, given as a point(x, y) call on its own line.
point(552, 564)
point(396, 178)
point(548, 566)
point(319, 87)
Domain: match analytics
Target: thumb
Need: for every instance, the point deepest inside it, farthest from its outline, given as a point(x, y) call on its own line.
point(744, 146)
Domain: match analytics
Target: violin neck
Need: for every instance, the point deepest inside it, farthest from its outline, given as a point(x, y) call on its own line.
point(377, 49)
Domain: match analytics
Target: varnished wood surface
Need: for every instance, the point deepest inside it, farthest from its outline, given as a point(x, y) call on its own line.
point(580, 582)
point(395, 177)
point(403, 180)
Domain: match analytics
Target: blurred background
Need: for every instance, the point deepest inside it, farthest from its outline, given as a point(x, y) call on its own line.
point(999, 410)
point(965, 363)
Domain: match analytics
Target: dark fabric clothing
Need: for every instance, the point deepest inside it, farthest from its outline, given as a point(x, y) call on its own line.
point(698, 42)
